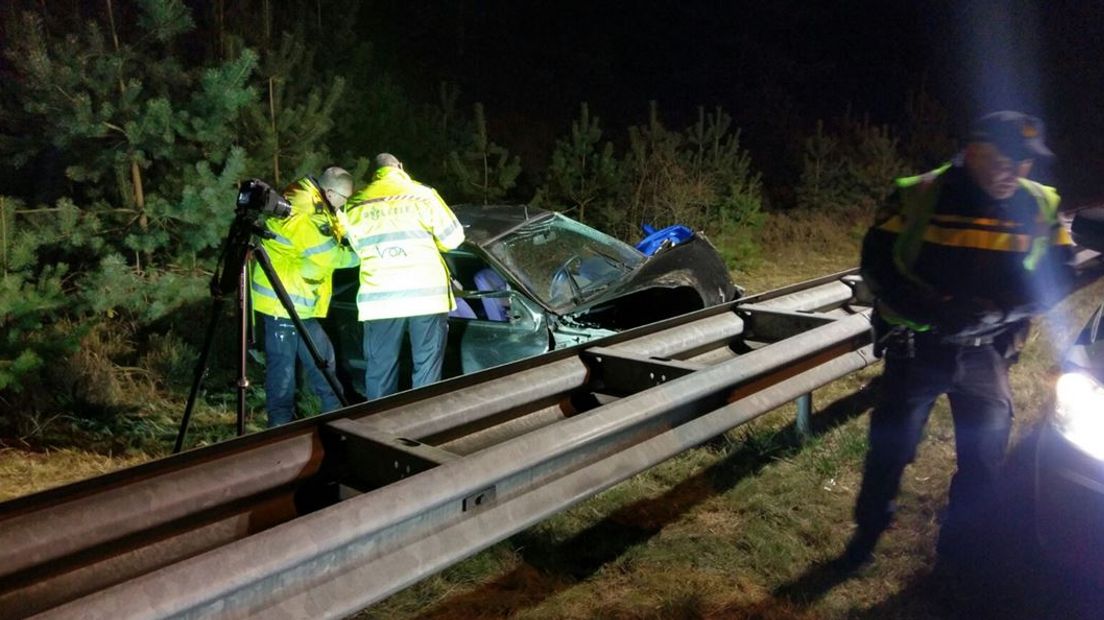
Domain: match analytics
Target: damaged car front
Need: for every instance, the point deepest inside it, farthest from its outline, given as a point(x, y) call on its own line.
point(529, 281)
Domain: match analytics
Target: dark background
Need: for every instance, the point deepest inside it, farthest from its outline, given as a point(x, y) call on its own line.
point(775, 66)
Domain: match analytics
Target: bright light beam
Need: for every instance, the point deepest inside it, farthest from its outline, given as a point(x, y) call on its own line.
point(1000, 48)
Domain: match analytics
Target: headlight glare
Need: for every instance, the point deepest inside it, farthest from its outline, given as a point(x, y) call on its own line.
point(1079, 412)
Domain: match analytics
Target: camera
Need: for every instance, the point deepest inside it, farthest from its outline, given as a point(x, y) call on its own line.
point(257, 196)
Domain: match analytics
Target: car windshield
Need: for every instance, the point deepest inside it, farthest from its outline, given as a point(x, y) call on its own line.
point(563, 262)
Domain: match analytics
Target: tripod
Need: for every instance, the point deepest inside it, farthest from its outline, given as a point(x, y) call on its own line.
point(233, 278)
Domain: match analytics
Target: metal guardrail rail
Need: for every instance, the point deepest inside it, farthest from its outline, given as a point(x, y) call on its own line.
point(323, 517)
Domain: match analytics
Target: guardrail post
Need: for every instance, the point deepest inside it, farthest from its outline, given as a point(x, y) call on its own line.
point(803, 422)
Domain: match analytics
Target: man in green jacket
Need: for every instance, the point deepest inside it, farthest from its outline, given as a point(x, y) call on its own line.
point(305, 249)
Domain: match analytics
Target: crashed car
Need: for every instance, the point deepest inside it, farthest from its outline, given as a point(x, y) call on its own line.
point(534, 280)
point(1069, 481)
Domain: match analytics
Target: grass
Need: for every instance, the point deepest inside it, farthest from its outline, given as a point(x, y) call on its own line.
point(24, 471)
point(739, 528)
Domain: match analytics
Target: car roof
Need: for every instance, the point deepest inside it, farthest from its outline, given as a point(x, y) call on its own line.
point(485, 223)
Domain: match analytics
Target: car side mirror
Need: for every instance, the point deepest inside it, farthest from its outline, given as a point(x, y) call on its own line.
point(1088, 228)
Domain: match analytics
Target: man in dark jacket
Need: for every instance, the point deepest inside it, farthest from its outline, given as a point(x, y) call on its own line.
point(959, 260)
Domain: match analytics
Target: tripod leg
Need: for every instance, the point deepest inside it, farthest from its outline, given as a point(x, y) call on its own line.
point(200, 371)
point(278, 286)
point(243, 343)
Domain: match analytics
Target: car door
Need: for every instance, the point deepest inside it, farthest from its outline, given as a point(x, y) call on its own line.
point(480, 342)
point(493, 324)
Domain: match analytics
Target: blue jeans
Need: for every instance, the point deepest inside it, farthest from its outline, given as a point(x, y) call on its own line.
point(282, 347)
point(975, 380)
point(383, 341)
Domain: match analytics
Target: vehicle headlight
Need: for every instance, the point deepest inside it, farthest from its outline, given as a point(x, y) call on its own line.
point(1079, 412)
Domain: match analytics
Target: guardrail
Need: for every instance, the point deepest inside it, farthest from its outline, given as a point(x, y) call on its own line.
point(325, 516)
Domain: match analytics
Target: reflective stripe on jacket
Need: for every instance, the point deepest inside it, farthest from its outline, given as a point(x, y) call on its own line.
point(919, 197)
point(941, 241)
point(399, 228)
point(304, 254)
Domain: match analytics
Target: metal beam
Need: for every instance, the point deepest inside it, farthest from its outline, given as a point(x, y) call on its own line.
point(379, 577)
point(763, 323)
point(237, 528)
point(281, 564)
point(622, 373)
point(366, 459)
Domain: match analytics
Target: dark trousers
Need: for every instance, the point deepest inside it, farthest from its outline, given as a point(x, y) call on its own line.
point(283, 346)
point(382, 342)
point(975, 380)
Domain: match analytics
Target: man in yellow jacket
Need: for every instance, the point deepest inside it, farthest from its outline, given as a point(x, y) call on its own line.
point(399, 228)
point(305, 249)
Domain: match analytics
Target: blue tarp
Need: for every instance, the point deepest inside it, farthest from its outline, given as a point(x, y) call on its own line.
point(656, 239)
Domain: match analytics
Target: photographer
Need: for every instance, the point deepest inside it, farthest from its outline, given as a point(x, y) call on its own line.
point(305, 250)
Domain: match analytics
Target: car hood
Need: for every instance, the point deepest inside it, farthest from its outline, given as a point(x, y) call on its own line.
point(694, 264)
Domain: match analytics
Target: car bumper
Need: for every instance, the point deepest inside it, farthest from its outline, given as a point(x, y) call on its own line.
point(1069, 502)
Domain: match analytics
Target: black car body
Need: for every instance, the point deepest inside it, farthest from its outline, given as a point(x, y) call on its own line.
point(1069, 482)
point(534, 280)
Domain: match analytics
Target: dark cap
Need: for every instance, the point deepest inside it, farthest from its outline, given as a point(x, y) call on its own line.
point(1017, 135)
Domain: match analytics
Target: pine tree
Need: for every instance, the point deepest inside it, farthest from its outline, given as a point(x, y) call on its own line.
point(32, 302)
point(656, 183)
point(148, 145)
point(129, 118)
point(484, 171)
point(874, 160)
point(732, 191)
point(700, 178)
point(718, 161)
point(824, 182)
point(850, 169)
point(286, 128)
point(584, 173)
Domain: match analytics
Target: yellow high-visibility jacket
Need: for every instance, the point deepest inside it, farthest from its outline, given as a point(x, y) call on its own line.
point(304, 254)
point(399, 228)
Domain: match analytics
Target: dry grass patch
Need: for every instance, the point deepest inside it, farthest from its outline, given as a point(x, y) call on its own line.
point(800, 245)
point(24, 472)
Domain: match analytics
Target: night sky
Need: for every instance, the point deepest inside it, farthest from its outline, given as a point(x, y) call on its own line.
point(774, 66)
